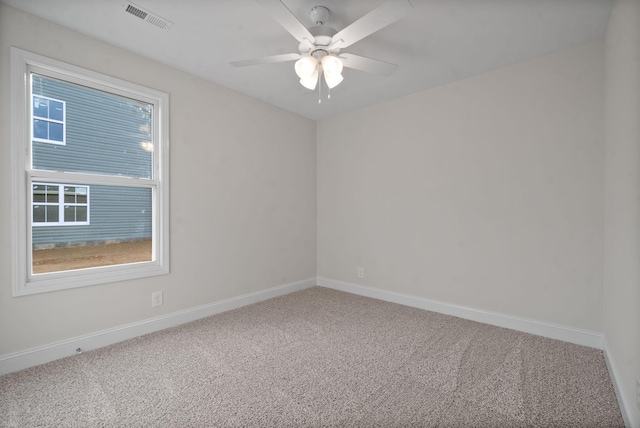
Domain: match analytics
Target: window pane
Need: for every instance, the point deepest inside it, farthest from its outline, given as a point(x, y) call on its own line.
point(81, 213)
point(119, 230)
point(52, 194)
point(56, 110)
point(105, 133)
point(69, 213)
point(39, 193)
point(52, 214)
point(40, 107)
point(55, 132)
point(38, 213)
point(40, 129)
point(69, 195)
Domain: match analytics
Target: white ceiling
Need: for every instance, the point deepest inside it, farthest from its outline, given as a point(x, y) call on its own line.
point(439, 42)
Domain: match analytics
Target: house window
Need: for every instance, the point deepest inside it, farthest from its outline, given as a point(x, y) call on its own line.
point(90, 174)
point(48, 120)
point(59, 204)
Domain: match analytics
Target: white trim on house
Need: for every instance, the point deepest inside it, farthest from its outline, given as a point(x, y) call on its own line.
point(43, 354)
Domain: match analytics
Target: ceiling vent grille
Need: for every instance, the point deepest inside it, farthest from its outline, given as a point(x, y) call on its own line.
point(147, 16)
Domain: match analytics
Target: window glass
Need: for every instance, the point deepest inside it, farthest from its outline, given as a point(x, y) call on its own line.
point(119, 215)
point(106, 133)
point(56, 110)
point(40, 107)
point(39, 213)
point(40, 129)
point(53, 214)
point(55, 131)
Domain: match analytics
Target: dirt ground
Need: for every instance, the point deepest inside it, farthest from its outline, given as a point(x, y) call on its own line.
point(57, 259)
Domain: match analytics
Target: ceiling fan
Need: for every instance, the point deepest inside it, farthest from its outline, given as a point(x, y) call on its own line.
point(320, 45)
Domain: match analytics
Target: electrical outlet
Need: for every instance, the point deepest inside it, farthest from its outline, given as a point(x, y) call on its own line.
point(360, 272)
point(638, 392)
point(156, 299)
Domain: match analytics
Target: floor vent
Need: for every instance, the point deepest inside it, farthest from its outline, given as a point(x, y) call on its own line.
point(147, 16)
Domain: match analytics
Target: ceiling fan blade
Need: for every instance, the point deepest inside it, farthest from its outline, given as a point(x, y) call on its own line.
point(368, 65)
point(387, 13)
point(287, 19)
point(266, 60)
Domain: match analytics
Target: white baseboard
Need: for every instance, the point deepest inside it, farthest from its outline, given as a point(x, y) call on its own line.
point(10, 363)
point(626, 404)
point(553, 331)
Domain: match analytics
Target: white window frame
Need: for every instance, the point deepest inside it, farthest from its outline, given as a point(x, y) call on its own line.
point(63, 122)
point(24, 63)
point(61, 205)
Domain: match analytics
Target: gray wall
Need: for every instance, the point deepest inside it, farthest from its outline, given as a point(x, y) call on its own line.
point(486, 193)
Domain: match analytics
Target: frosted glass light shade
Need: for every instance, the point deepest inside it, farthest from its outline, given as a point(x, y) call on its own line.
point(332, 79)
point(310, 81)
point(306, 66)
point(331, 64)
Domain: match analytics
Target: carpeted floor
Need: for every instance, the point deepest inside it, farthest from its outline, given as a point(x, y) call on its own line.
point(319, 358)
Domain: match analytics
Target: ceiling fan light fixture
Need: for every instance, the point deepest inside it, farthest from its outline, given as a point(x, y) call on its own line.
point(306, 66)
point(331, 64)
point(310, 81)
point(320, 45)
point(333, 79)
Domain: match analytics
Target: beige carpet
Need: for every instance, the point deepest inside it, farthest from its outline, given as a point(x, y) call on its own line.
point(319, 358)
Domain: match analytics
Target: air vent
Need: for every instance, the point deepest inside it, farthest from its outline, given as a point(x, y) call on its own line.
point(147, 16)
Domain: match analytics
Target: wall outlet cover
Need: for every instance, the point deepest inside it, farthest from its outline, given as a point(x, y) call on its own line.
point(156, 299)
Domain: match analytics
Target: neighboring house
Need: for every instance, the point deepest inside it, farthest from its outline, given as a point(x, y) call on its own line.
point(77, 129)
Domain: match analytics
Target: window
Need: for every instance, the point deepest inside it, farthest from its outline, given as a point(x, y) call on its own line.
point(48, 120)
point(90, 177)
point(50, 209)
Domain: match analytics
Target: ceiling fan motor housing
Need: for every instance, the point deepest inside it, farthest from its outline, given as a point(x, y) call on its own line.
point(319, 15)
point(322, 39)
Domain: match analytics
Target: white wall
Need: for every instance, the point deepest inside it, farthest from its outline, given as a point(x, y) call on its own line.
point(486, 192)
point(243, 196)
point(622, 196)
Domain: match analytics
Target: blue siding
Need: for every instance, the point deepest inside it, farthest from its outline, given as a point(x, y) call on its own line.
point(116, 214)
point(105, 134)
